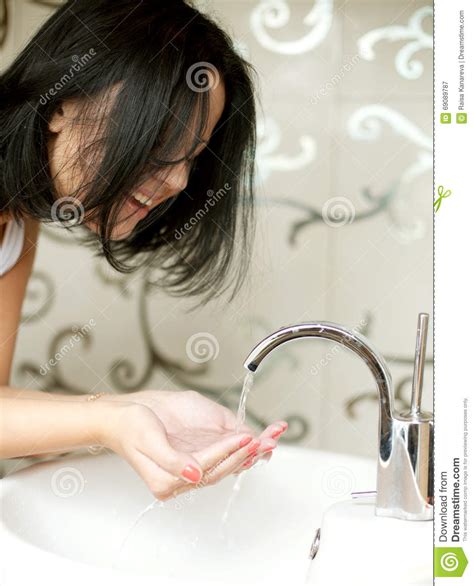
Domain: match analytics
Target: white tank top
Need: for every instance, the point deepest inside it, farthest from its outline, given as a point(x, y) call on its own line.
point(11, 245)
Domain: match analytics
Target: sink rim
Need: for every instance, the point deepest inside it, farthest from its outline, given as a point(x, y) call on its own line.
point(284, 449)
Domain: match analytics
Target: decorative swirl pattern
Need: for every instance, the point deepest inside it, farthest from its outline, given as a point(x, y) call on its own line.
point(54, 380)
point(413, 32)
point(3, 21)
point(269, 140)
point(275, 14)
point(125, 376)
point(366, 124)
point(268, 19)
point(314, 216)
point(402, 391)
point(39, 297)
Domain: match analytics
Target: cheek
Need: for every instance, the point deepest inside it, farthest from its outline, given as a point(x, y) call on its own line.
point(69, 170)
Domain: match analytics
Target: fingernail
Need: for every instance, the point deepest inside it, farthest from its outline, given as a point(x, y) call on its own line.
point(277, 433)
point(191, 473)
point(253, 447)
point(245, 441)
point(266, 450)
point(248, 462)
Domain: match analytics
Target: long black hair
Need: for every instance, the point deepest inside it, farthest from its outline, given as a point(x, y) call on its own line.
point(160, 54)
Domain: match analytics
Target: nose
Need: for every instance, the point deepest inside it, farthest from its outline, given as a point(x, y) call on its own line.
point(176, 178)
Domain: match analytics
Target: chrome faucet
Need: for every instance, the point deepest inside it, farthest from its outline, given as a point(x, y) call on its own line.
point(405, 454)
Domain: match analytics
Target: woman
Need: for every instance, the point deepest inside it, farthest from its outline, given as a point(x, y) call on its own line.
point(129, 115)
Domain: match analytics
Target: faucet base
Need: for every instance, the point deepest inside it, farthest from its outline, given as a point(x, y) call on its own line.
point(405, 479)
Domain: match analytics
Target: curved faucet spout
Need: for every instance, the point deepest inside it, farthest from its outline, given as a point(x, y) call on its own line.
point(404, 473)
point(344, 336)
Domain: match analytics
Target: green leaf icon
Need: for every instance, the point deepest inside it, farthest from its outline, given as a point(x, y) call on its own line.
point(449, 562)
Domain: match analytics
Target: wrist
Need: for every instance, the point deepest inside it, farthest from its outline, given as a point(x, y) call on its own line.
point(102, 413)
point(103, 397)
point(112, 414)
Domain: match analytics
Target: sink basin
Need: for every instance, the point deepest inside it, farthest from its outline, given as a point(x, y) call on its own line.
point(70, 521)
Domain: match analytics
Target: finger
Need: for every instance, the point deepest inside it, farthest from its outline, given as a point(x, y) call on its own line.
point(264, 452)
point(260, 461)
point(252, 460)
point(265, 458)
point(218, 451)
point(162, 484)
point(179, 464)
point(231, 463)
point(266, 445)
point(275, 430)
point(223, 458)
point(248, 463)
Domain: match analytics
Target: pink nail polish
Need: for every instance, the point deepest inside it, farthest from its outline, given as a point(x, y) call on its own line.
point(191, 473)
point(248, 462)
point(253, 447)
point(266, 450)
point(245, 441)
point(277, 433)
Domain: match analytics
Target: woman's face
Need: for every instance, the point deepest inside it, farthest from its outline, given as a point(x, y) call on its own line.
point(65, 144)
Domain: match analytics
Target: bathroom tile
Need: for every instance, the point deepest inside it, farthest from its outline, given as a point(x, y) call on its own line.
point(388, 73)
point(381, 265)
point(9, 49)
point(30, 18)
point(292, 59)
point(368, 128)
point(295, 153)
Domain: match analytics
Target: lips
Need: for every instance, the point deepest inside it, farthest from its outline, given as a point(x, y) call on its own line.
point(147, 193)
point(142, 201)
point(139, 210)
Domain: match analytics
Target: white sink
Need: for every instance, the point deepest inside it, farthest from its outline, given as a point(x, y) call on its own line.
point(64, 522)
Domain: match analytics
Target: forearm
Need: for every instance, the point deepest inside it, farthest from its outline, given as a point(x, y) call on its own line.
point(13, 393)
point(37, 425)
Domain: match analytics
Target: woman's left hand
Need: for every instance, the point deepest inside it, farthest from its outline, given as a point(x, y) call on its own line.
point(194, 422)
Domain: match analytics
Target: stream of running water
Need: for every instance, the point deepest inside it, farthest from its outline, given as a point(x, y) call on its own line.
point(246, 388)
point(240, 420)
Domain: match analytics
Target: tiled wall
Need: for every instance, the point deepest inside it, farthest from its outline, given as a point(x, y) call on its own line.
point(345, 231)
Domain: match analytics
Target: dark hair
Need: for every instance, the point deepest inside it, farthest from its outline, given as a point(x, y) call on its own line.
point(158, 52)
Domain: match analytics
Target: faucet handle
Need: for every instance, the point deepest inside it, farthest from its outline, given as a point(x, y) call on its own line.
point(420, 354)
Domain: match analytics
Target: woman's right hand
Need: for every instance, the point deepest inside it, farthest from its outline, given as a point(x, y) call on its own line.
point(137, 434)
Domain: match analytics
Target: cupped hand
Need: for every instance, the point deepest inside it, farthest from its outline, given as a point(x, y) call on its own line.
point(181, 429)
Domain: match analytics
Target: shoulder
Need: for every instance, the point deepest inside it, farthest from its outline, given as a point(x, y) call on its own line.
point(30, 241)
point(4, 218)
point(17, 244)
point(13, 285)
